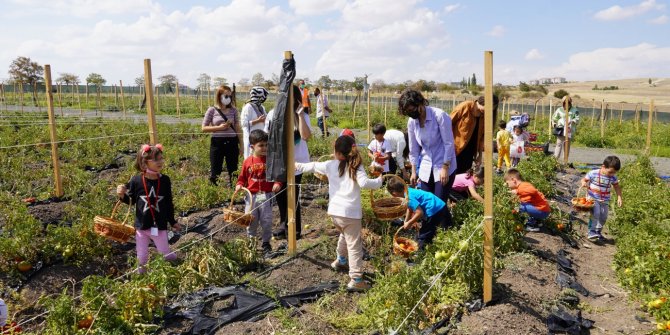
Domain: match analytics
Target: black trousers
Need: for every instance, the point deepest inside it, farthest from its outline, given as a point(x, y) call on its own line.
point(221, 148)
point(282, 203)
point(393, 166)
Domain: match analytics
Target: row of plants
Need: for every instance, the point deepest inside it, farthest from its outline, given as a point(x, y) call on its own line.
point(399, 286)
point(642, 225)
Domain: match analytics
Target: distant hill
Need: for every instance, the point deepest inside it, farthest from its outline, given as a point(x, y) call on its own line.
point(630, 91)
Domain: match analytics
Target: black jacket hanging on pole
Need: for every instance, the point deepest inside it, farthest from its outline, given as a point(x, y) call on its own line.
point(277, 146)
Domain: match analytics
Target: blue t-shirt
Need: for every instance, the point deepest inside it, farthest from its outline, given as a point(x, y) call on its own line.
point(429, 202)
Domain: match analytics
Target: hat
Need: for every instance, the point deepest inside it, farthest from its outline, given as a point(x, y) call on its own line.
point(347, 132)
point(514, 112)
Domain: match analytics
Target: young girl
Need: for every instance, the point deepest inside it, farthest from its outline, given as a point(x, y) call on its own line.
point(465, 185)
point(519, 135)
point(151, 193)
point(346, 177)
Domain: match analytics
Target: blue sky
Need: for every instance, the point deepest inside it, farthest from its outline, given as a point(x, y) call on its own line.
point(391, 40)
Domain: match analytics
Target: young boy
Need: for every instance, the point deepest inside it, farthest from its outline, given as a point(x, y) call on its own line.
point(252, 177)
point(503, 140)
point(599, 183)
point(379, 149)
point(532, 201)
point(422, 205)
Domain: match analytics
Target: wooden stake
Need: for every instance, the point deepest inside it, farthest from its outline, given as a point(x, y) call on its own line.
point(384, 100)
point(647, 149)
point(325, 122)
point(148, 87)
point(158, 105)
point(535, 117)
point(123, 100)
point(2, 90)
point(201, 97)
point(81, 111)
point(593, 111)
point(177, 98)
point(550, 114)
point(602, 119)
point(21, 88)
point(52, 130)
point(488, 177)
point(116, 96)
point(209, 91)
point(290, 166)
point(369, 131)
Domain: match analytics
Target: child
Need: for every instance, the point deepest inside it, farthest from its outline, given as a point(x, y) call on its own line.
point(425, 206)
point(346, 177)
point(379, 149)
point(252, 177)
point(503, 140)
point(465, 185)
point(600, 182)
point(151, 193)
point(532, 201)
point(519, 136)
point(399, 150)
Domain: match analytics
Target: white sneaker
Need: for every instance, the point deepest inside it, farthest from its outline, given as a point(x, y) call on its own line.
point(339, 267)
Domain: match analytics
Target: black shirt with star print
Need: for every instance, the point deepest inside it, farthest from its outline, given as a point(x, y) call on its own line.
point(161, 203)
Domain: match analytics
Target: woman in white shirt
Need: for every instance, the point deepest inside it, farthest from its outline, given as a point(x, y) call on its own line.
point(321, 110)
point(558, 121)
point(253, 115)
point(302, 133)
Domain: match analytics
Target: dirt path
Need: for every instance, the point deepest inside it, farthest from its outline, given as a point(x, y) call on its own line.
point(597, 155)
point(526, 288)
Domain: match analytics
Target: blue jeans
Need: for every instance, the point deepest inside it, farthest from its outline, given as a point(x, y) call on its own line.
point(533, 213)
point(429, 227)
point(598, 217)
point(319, 122)
point(442, 192)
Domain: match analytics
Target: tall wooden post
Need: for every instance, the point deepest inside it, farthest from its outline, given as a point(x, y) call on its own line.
point(290, 165)
point(602, 119)
point(201, 96)
point(593, 111)
point(177, 98)
point(384, 100)
point(81, 110)
point(148, 88)
point(535, 117)
point(158, 105)
point(21, 96)
point(369, 132)
point(550, 113)
point(52, 130)
point(2, 90)
point(621, 114)
point(488, 177)
point(123, 100)
point(647, 149)
point(209, 92)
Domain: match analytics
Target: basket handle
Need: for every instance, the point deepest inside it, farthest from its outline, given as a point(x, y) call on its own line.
point(372, 193)
point(251, 198)
point(116, 206)
point(580, 191)
point(324, 156)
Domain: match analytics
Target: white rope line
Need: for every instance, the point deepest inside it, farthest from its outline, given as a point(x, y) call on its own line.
point(436, 278)
point(76, 140)
point(211, 234)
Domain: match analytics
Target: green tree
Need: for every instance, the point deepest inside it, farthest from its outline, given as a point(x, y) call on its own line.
point(25, 71)
point(523, 87)
point(220, 81)
point(325, 82)
point(203, 81)
point(560, 93)
point(168, 81)
point(473, 82)
point(96, 80)
point(257, 79)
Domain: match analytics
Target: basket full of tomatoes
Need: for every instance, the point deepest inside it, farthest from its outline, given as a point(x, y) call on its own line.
point(583, 203)
point(403, 246)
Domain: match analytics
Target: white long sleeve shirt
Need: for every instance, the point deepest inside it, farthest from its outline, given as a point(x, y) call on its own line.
point(344, 193)
point(248, 114)
point(397, 141)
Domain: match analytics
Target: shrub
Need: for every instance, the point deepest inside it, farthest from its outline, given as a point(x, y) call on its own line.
point(561, 93)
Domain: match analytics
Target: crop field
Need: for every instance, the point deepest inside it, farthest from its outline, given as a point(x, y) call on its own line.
point(59, 277)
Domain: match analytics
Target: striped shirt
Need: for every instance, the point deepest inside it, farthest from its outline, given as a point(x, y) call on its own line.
point(600, 185)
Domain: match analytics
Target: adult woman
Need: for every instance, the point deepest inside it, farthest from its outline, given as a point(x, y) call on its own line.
point(253, 115)
point(558, 121)
point(223, 122)
point(467, 120)
point(431, 146)
point(322, 109)
point(301, 134)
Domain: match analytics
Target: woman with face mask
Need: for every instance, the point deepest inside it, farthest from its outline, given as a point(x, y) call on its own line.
point(431, 146)
point(223, 122)
point(253, 115)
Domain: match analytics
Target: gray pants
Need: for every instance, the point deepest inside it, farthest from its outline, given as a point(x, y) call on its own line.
point(560, 145)
point(262, 213)
point(598, 217)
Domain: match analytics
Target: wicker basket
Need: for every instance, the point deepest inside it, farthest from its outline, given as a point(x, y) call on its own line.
point(111, 228)
point(389, 208)
point(240, 218)
point(410, 246)
point(581, 206)
point(322, 177)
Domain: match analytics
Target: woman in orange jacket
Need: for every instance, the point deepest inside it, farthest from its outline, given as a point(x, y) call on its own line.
point(467, 120)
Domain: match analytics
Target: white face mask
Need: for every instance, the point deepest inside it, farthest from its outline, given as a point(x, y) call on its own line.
point(225, 101)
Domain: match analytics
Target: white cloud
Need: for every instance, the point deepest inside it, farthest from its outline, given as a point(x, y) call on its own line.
point(88, 8)
point(376, 13)
point(534, 54)
point(316, 7)
point(451, 8)
point(617, 12)
point(642, 60)
point(497, 31)
point(663, 19)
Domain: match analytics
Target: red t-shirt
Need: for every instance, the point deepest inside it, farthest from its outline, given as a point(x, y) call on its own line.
point(252, 175)
point(529, 194)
